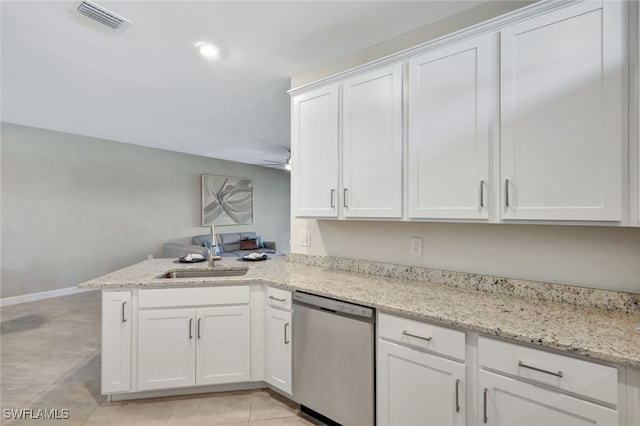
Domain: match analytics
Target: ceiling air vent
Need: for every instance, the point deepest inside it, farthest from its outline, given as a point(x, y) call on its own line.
point(102, 15)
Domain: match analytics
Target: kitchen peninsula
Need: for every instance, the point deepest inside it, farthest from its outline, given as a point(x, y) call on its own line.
point(605, 333)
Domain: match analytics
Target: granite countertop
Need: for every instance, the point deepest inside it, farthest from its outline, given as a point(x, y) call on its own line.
point(608, 335)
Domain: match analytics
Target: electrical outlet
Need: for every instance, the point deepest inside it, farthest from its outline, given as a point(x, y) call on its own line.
point(305, 239)
point(415, 246)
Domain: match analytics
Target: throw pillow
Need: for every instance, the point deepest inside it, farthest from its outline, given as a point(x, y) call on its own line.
point(248, 244)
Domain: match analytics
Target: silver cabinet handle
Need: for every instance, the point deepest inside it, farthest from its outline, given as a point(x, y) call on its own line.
point(485, 419)
point(190, 327)
point(345, 192)
point(278, 299)
point(457, 396)
point(553, 373)
point(286, 342)
point(333, 198)
point(406, 333)
point(199, 319)
point(123, 318)
point(506, 192)
point(481, 193)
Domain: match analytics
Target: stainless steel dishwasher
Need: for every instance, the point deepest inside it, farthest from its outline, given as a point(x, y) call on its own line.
point(333, 359)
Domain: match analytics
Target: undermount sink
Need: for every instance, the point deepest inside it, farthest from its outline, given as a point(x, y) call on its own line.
point(228, 272)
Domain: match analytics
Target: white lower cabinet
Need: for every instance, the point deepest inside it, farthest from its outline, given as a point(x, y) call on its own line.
point(116, 341)
point(279, 340)
point(415, 387)
point(278, 371)
point(166, 349)
point(223, 347)
point(195, 346)
point(510, 402)
point(523, 386)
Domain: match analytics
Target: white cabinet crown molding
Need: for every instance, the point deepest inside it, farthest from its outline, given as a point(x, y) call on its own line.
point(491, 25)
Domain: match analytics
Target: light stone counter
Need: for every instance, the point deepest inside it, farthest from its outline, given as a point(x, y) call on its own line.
point(594, 332)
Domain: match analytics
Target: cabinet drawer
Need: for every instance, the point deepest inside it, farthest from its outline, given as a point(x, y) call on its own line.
point(442, 340)
point(566, 373)
point(203, 296)
point(278, 298)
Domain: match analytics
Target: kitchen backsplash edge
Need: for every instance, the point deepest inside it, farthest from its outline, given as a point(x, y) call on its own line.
point(604, 299)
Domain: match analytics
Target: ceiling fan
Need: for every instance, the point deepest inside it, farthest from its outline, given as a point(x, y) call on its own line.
point(274, 164)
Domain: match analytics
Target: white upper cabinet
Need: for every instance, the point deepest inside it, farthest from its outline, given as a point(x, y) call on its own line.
point(450, 100)
point(316, 153)
point(562, 142)
point(525, 119)
point(372, 144)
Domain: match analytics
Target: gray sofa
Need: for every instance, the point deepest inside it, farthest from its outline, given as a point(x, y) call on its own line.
point(229, 245)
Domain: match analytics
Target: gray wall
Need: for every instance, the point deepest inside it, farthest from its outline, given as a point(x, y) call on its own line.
point(75, 207)
point(587, 256)
point(468, 18)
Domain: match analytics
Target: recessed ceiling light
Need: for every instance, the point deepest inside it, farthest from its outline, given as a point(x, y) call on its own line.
point(208, 50)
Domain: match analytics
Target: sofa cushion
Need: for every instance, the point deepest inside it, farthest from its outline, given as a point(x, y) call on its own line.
point(248, 236)
point(230, 241)
point(198, 240)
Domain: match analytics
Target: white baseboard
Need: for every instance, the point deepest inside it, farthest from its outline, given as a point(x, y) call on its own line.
point(42, 295)
point(229, 387)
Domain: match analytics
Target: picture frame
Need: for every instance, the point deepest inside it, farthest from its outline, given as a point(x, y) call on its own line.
point(226, 200)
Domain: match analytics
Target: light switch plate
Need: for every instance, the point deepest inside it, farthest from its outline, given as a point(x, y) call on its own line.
point(415, 246)
point(305, 239)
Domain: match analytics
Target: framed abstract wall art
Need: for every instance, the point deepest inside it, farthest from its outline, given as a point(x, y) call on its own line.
point(226, 200)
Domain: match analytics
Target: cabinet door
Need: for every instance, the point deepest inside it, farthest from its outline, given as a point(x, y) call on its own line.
point(372, 144)
point(166, 348)
point(505, 401)
point(561, 112)
point(223, 336)
point(416, 388)
point(449, 111)
point(116, 341)
point(278, 362)
point(315, 156)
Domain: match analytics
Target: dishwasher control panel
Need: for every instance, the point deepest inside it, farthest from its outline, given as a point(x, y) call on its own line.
point(333, 305)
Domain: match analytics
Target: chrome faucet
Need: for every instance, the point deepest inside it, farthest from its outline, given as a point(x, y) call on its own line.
point(212, 250)
point(212, 257)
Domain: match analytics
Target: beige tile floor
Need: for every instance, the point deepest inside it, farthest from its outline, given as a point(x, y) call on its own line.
point(50, 359)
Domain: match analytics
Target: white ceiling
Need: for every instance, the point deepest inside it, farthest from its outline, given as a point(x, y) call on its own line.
point(148, 86)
